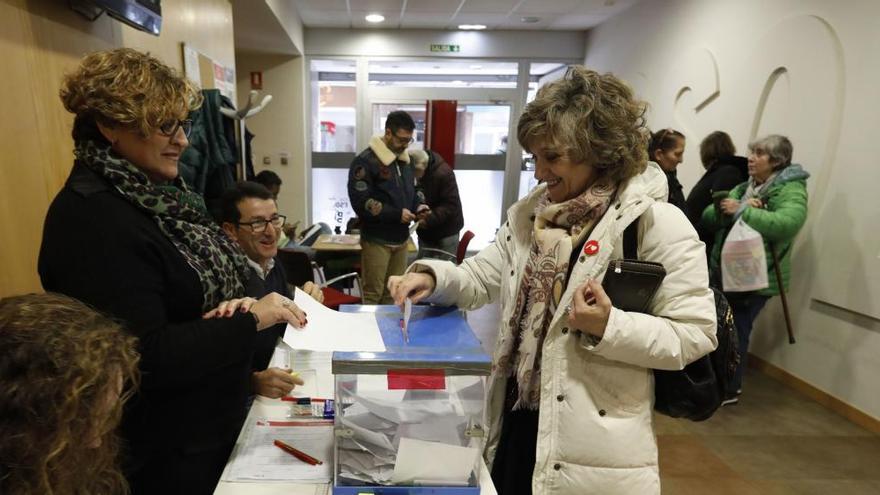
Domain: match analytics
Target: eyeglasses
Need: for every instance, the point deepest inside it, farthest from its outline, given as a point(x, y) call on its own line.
point(404, 140)
point(169, 128)
point(259, 226)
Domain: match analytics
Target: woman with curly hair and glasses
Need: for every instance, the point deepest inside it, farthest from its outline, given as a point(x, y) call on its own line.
point(127, 236)
point(65, 371)
point(571, 387)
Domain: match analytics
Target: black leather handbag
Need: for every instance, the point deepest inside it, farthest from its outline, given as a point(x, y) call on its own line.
point(696, 391)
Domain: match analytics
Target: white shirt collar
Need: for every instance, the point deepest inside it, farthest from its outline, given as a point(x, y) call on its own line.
point(259, 269)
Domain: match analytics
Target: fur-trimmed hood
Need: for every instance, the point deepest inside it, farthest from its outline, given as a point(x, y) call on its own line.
point(385, 155)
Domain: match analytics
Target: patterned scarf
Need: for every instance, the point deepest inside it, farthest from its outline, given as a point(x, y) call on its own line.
point(558, 229)
point(181, 216)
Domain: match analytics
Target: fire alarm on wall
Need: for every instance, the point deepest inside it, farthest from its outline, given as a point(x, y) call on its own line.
point(256, 80)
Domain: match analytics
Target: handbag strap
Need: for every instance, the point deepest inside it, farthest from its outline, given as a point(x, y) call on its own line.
point(631, 240)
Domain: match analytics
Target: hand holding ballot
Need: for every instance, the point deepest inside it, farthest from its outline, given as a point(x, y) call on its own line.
point(415, 286)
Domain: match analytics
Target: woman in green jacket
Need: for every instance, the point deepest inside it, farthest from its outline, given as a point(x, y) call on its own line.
point(774, 203)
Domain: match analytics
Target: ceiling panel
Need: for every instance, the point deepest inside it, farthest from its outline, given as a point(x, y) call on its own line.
point(490, 20)
point(516, 24)
point(390, 22)
point(599, 7)
point(430, 6)
point(488, 6)
point(381, 6)
point(541, 7)
point(577, 21)
point(436, 14)
point(337, 5)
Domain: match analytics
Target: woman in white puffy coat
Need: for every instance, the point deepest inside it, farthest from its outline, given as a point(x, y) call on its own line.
point(571, 390)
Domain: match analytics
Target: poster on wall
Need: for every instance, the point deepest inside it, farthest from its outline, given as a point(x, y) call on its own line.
point(208, 73)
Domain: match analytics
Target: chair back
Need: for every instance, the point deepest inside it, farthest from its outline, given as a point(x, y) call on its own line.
point(297, 266)
point(462, 246)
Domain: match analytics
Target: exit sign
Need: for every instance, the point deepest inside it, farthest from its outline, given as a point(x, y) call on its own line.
point(445, 48)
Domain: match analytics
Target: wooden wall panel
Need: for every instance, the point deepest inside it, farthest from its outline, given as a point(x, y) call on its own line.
point(39, 41)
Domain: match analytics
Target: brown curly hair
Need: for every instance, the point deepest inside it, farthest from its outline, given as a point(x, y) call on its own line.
point(594, 118)
point(60, 364)
point(129, 89)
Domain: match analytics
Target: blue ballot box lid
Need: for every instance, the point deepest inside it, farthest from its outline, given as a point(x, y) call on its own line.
point(439, 338)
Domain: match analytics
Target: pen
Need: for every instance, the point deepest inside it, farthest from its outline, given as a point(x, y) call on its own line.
point(298, 454)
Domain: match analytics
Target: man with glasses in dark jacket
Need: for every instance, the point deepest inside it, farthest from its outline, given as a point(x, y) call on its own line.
point(382, 191)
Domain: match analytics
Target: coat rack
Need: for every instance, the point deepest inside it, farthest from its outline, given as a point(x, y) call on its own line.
point(240, 116)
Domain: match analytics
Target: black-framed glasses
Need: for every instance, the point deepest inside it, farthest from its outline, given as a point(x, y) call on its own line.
point(169, 128)
point(403, 140)
point(259, 226)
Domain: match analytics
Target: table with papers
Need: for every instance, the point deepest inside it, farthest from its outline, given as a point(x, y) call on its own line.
point(255, 465)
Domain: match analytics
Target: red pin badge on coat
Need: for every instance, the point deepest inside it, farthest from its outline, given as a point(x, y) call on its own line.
point(591, 248)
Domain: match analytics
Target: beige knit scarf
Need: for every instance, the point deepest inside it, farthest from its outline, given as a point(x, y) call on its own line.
point(558, 228)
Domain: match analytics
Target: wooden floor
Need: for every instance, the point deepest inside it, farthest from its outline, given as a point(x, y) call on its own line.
point(774, 442)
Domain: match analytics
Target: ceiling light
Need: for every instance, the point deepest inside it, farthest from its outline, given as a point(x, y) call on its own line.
point(530, 19)
point(476, 66)
point(374, 18)
point(472, 27)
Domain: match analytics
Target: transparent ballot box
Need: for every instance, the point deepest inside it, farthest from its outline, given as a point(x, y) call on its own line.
point(410, 420)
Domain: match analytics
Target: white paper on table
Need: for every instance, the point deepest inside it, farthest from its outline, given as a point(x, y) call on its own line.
point(257, 458)
point(330, 330)
point(420, 462)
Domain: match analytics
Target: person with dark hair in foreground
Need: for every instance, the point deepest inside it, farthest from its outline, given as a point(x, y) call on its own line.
point(65, 372)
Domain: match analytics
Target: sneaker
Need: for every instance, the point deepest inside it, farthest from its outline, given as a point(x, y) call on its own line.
point(730, 401)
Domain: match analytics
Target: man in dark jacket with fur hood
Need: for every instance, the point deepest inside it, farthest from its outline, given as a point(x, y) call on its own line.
point(439, 230)
point(382, 191)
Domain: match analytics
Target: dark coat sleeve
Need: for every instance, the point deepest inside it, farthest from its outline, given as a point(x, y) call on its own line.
point(112, 266)
point(725, 179)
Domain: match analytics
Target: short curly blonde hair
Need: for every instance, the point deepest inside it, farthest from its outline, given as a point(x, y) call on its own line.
point(591, 117)
point(129, 89)
point(59, 366)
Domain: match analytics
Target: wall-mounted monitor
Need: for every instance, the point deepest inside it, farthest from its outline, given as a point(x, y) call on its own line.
point(143, 15)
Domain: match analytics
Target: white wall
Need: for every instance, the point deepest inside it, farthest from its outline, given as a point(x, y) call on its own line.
point(807, 69)
point(281, 127)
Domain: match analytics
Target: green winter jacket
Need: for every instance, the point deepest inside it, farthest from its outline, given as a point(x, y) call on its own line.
point(783, 215)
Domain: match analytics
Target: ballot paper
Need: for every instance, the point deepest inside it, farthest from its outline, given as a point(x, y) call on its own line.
point(432, 463)
point(407, 313)
point(329, 330)
point(256, 458)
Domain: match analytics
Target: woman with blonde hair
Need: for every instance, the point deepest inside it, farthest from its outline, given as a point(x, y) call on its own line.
point(65, 372)
point(128, 237)
point(571, 388)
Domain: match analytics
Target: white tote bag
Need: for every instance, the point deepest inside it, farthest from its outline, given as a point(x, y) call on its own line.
point(743, 260)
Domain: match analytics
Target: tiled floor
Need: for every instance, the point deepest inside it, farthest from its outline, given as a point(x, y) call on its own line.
point(774, 442)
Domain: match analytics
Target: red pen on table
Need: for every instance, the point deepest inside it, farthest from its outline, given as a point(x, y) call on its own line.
point(297, 453)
